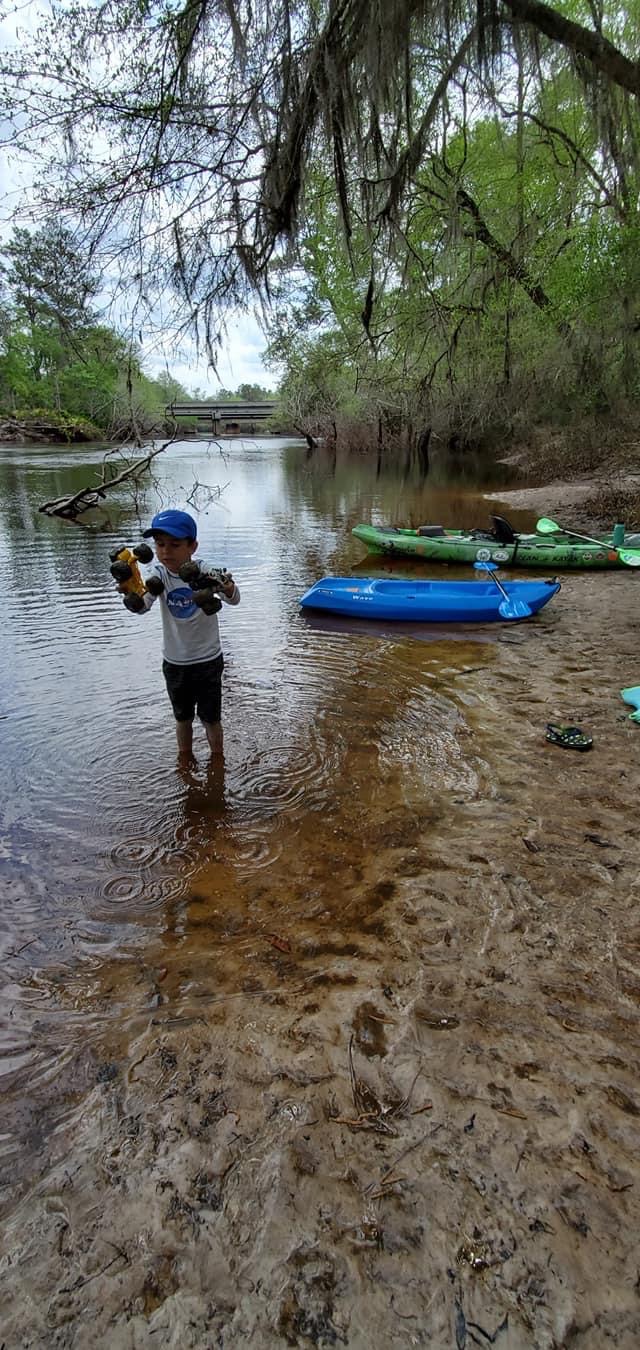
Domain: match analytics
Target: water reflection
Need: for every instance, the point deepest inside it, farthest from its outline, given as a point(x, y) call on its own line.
point(109, 853)
point(337, 624)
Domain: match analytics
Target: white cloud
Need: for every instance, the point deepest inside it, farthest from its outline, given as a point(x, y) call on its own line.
point(240, 359)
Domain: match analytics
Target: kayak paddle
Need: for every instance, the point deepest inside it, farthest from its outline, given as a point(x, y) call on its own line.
point(630, 556)
point(509, 608)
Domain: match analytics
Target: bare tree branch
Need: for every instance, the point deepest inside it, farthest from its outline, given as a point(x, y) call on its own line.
point(73, 505)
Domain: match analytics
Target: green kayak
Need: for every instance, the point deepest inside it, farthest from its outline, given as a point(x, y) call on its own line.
point(501, 545)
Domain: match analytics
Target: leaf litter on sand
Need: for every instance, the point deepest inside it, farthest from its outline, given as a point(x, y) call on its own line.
point(371, 1111)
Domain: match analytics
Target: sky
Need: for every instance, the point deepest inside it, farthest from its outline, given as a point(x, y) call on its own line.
point(240, 355)
point(240, 359)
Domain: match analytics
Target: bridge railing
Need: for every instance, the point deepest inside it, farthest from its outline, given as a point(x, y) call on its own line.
point(223, 412)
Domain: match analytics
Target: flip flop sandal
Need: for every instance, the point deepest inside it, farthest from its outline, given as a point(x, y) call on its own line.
point(571, 738)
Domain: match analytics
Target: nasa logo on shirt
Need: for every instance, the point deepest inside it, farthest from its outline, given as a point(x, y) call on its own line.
point(180, 602)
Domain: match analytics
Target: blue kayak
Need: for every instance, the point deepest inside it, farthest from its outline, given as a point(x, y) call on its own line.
point(429, 601)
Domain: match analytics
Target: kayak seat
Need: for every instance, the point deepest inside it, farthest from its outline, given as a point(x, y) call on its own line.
point(503, 531)
point(482, 534)
point(431, 531)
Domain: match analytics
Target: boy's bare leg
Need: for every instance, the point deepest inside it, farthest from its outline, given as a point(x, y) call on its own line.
point(214, 736)
point(184, 737)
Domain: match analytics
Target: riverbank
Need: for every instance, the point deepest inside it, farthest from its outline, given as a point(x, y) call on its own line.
point(588, 474)
point(406, 1109)
point(581, 503)
point(47, 428)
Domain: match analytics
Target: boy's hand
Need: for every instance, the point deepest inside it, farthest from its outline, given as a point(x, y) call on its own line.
point(226, 582)
point(220, 580)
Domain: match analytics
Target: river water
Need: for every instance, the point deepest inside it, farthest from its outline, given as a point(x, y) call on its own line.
point(109, 854)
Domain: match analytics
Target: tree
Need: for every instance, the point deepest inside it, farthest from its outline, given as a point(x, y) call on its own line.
point(196, 165)
point(505, 310)
point(54, 354)
point(49, 282)
point(50, 279)
point(439, 173)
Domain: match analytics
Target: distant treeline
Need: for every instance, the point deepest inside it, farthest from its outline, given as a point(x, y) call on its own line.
point(62, 371)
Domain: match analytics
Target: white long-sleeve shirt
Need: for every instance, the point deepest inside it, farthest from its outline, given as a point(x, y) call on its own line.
point(189, 635)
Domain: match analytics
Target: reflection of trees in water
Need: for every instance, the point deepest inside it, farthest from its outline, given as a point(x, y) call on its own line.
point(328, 460)
point(58, 543)
point(345, 488)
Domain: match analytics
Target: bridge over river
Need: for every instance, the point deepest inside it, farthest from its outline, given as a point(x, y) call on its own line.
point(219, 418)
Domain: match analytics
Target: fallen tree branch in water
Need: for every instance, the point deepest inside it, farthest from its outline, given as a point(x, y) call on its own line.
point(74, 504)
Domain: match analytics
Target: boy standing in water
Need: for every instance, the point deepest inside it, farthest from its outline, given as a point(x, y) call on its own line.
point(192, 655)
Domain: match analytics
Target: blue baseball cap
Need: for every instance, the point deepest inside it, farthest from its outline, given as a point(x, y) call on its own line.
point(178, 523)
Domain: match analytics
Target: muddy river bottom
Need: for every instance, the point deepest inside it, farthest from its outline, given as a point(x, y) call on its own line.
point(387, 1094)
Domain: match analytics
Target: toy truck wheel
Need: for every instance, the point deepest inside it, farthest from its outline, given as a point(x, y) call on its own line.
point(143, 553)
point(154, 585)
point(121, 571)
point(133, 602)
point(189, 572)
point(207, 601)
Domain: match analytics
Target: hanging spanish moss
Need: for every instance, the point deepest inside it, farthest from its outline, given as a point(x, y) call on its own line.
point(214, 115)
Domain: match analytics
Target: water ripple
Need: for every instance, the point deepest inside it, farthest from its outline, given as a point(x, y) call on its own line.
point(104, 845)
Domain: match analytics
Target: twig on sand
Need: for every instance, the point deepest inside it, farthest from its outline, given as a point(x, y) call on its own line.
point(389, 1177)
point(372, 1114)
point(120, 1255)
point(22, 948)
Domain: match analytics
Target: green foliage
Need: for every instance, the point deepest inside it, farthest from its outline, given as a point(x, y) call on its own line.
point(63, 425)
point(55, 357)
point(517, 295)
point(50, 280)
point(441, 201)
point(245, 393)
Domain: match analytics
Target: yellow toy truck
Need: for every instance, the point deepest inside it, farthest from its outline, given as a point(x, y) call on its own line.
point(125, 570)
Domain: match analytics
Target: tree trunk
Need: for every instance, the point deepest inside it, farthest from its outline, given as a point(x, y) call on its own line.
point(593, 47)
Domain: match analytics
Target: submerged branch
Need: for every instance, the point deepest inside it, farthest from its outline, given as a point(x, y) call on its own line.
point(73, 505)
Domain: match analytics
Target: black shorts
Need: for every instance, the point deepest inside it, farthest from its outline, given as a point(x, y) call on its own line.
point(195, 687)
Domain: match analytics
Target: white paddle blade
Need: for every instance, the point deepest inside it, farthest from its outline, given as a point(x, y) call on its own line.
point(630, 556)
point(546, 526)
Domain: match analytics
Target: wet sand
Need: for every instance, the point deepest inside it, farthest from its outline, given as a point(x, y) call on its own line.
point(566, 496)
point(407, 1110)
